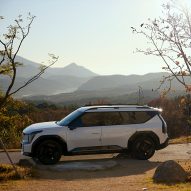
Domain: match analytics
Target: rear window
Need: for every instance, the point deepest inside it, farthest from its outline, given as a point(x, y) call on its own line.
point(136, 117)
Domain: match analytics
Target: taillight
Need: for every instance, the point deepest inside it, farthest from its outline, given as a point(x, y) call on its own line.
point(164, 126)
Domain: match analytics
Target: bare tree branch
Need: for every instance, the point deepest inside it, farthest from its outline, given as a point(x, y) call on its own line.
point(35, 77)
point(24, 35)
point(170, 39)
point(8, 64)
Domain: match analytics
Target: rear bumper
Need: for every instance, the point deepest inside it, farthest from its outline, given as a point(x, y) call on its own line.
point(163, 145)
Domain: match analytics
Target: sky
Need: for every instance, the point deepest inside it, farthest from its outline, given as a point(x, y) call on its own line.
point(95, 34)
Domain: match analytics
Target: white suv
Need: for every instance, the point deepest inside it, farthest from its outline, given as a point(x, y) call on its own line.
point(139, 130)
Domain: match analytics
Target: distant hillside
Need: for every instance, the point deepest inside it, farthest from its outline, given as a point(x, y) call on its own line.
point(116, 81)
point(30, 68)
point(53, 81)
point(85, 97)
point(114, 89)
point(77, 84)
point(71, 70)
point(42, 86)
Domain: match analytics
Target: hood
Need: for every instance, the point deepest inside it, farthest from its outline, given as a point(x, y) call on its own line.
point(40, 126)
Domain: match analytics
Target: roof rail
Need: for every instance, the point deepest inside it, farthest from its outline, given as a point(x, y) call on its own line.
point(118, 106)
point(143, 107)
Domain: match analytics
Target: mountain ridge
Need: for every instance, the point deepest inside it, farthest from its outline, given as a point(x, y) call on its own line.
point(77, 84)
point(113, 81)
point(54, 80)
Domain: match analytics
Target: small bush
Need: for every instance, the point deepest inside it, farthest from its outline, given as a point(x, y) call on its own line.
point(7, 172)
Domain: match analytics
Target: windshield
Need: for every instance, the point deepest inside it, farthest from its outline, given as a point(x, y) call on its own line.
point(69, 118)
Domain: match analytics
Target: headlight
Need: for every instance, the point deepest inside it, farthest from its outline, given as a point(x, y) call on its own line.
point(27, 138)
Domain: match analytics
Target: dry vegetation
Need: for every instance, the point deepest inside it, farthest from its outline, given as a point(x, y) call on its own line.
point(176, 187)
point(181, 140)
point(7, 172)
point(186, 164)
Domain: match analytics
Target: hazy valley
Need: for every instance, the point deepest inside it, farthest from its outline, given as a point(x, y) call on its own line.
point(74, 84)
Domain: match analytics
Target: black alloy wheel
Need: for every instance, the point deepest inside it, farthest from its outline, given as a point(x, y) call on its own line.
point(49, 152)
point(143, 148)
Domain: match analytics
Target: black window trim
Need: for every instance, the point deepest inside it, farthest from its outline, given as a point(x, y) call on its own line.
point(73, 127)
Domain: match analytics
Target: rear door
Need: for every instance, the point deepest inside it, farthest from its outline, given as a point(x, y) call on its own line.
point(116, 132)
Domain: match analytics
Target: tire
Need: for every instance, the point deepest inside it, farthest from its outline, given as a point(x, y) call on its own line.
point(48, 152)
point(143, 148)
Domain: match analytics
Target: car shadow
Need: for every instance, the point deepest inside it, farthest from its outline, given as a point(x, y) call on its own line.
point(125, 166)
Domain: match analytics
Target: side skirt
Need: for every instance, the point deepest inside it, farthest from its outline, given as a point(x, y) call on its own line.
point(96, 150)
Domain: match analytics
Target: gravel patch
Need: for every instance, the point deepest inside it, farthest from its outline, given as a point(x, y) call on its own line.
point(86, 166)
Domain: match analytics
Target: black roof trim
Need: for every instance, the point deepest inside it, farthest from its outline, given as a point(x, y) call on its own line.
point(118, 107)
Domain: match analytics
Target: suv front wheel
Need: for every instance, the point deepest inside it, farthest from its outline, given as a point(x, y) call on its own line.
point(143, 148)
point(48, 152)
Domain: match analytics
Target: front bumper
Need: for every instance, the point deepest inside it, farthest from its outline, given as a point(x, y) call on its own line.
point(26, 149)
point(27, 154)
point(163, 145)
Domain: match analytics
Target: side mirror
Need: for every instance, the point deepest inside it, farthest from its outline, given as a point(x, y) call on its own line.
point(75, 124)
point(71, 127)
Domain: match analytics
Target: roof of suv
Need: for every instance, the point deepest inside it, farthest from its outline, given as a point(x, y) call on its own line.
point(118, 107)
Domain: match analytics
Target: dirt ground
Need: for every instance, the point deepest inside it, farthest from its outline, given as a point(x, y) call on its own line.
point(127, 175)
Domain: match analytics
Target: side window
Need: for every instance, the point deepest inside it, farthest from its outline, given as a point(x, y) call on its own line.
point(92, 119)
point(125, 118)
point(136, 117)
point(89, 119)
point(140, 117)
point(101, 119)
point(112, 118)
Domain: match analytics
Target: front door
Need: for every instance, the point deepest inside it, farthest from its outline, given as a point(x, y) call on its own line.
point(84, 133)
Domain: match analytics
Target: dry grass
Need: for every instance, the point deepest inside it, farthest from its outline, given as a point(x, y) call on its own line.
point(7, 172)
point(180, 140)
point(186, 164)
point(168, 187)
point(11, 150)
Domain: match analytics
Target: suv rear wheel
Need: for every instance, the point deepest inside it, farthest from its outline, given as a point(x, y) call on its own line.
point(48, 152)
point(143, 148)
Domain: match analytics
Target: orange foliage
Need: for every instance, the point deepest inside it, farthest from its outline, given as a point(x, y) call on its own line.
point(174, 115)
